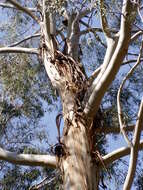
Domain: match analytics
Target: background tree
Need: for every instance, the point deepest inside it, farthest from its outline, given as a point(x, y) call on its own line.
point(63, 34)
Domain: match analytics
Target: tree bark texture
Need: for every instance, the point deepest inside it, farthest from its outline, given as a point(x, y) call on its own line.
point(76, 164)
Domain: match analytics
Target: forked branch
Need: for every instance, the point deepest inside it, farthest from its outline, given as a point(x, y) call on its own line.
point(115, 55)
point(138, 33)
point(94, 75)
point(47, 27)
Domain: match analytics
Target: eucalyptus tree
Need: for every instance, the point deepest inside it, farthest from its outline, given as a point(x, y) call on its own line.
point(63, 28)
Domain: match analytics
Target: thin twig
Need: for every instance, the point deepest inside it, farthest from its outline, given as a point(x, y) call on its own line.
point(25, 39)
point(140, 14)
point(85, 12)
point(113, 130)
point(46, 181)
point(89, 29)
point(130, 61)
point(6, 5)
point(104, 20)
point(134, 150)
point(120, 114)
point(136, 35)
point(24, 9)
point(94, 75)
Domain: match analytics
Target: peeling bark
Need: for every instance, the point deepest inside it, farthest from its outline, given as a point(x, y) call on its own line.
point(77, 165)
point(77, 161)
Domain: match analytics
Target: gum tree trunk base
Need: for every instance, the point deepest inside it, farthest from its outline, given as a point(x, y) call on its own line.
point(79, 171)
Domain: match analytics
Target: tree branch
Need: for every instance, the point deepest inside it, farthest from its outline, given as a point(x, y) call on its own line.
point(121, 152)
point(89, 29)
point(25, 39)
point(19, 50)
point(134, 150)
point(23, 9)
point(6, 5)
point(136, 35)
point(94, 75)
point(85, 12)
point(114, 130)
point(28, 159)
point(104, 23)
point(93, 30)
point(46, 28)
point(96, 29)
point(73, 39)
point(114, 57)
point(45, 182)
point(120, 114)
point(140, 15)
point(130, 61)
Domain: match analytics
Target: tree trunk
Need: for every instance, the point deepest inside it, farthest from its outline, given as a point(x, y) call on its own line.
point(77, 166)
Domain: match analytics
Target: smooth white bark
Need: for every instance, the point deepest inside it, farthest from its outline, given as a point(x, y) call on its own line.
point(119, 153)
point(129, 9)
point(134, 150)
point(19, 50)
point(28, 159)
point(119, 108)
point(7, 5)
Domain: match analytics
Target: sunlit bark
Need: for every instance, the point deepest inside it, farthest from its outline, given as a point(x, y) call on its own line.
point(80, 96)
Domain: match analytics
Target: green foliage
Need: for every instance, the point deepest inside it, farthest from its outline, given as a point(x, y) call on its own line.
point(24, 84)
point(55, 5)
point(26, 89)
point(139, 182)
point(17, 179)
